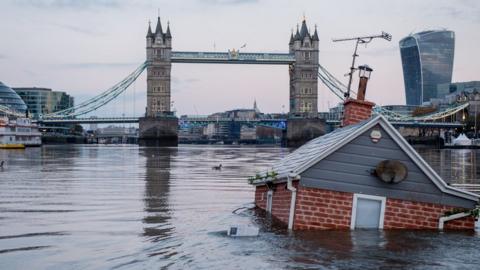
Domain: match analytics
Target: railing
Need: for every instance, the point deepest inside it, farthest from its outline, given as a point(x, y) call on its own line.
point(233, 57)
point(90, 120)
point(237, 119)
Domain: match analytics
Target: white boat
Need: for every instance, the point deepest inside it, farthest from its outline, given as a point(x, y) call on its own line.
point(17, 132)
point(462, 140)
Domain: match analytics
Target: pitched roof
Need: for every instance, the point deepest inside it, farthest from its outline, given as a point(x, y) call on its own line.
point(313, 149)
point(291, 39)
point(319, 148)
point(297, 35)
point(149, 32)
point(158, 29)
point(315, 35)
point(168, 34)
point(304, 30)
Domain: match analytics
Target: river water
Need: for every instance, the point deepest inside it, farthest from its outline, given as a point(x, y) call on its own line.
point(127, 207)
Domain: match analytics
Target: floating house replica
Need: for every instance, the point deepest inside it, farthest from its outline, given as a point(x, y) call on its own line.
point(363, 175)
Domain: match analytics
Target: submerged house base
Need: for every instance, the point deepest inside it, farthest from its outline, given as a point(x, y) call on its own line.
point(327, 209)
point(364, 175)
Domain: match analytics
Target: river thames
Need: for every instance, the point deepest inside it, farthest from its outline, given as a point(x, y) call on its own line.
point(127, 207)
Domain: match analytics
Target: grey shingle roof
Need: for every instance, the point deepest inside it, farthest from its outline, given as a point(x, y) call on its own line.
point(313, 149)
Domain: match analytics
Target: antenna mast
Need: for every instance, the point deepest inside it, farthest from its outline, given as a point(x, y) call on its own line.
point(360, 40)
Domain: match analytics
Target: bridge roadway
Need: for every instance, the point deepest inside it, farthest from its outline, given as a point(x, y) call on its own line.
point(119, 120)
point(233, 58)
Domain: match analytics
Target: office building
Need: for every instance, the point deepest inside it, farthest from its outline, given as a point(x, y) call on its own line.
point(42, 101)
point(427, 60)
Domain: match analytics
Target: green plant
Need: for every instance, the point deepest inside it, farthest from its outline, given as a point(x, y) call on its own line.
point(475, 212)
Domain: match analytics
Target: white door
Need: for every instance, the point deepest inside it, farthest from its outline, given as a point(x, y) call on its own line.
point(367, 212)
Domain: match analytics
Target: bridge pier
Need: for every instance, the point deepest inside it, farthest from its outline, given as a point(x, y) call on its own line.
point(158, 131)
point(301, 130)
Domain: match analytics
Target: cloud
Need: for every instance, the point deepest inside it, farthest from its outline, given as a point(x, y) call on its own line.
point(231, 2)
point(98, 65)
point(382, 51)
point(463, 10)
point(71, 4)
point(29, 72)
point(2, 57)
point(80, 30)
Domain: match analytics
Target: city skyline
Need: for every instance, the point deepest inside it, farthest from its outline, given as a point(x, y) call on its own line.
point(51, 44)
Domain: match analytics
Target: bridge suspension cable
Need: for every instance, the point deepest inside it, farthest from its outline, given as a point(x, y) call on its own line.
point(392, 116)
point(332, 83)
point(101, 99)
point(339, 89)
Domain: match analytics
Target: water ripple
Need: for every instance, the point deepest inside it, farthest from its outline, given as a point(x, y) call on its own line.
point(130, 207)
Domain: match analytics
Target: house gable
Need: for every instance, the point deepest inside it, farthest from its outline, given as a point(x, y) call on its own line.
point(348, 169)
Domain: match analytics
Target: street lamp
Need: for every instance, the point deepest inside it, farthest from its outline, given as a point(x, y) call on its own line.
point(364, 73)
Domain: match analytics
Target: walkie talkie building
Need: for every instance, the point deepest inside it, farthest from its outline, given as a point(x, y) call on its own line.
point(427, 60)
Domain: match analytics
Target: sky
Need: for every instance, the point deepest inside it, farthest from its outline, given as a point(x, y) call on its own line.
point(85, 47)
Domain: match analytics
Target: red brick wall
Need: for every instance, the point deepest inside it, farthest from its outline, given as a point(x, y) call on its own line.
point(401, 214)
point(326, 209)
point(356, 111)
point(280, 201)
point(322, 209)
point(261, 197)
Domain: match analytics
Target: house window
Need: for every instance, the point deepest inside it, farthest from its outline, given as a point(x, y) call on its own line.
point(368, 212)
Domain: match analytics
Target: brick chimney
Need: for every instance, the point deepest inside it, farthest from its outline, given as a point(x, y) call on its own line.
point(357, 110)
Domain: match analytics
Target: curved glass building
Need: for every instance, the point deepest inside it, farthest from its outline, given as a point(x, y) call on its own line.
point(427, 60)
point(11, 99)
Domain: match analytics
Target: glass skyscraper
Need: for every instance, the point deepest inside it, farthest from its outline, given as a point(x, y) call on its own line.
point(427, 60)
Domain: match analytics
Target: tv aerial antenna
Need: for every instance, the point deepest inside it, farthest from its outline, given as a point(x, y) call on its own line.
point(360, 40)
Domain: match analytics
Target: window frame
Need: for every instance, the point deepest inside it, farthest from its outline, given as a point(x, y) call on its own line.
point(357, 196)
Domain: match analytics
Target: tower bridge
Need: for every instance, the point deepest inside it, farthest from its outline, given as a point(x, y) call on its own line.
point(302, 60)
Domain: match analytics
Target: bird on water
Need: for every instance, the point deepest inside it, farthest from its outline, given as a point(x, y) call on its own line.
point(219, 167)
point(1, 163)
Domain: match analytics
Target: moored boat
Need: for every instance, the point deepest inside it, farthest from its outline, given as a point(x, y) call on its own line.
point(12, 146)
point(462, 140)
point(18, 133)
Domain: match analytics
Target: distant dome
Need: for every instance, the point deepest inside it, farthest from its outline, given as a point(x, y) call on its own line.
point(11, 99)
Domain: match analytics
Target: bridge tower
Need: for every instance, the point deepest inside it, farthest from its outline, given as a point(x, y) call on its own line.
point(303, 73)
point(159, 127)
point(303, 123)
point(159, 51)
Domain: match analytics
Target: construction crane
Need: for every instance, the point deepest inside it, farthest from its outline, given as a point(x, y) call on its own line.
point(360, 40)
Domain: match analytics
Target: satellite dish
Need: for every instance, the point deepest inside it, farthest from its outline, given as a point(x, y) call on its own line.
point(391, 171)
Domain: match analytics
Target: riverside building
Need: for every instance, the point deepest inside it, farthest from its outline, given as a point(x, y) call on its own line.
point(42, 101)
